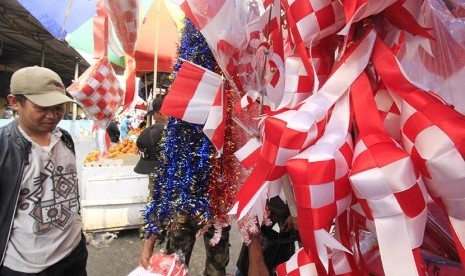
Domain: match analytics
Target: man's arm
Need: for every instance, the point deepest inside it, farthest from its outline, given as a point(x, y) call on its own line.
point(147, 251)
point(257, 265)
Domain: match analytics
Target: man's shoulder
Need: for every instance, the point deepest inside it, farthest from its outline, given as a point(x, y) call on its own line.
point(67, 139)
point(4, 130)
point(64, 132)
point(159, 125)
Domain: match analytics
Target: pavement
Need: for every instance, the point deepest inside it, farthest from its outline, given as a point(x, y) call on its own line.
point(121, 255)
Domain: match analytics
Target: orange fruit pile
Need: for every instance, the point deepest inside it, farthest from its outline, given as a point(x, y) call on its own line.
point(127, 146)
point(92, 156)
point(136, 131)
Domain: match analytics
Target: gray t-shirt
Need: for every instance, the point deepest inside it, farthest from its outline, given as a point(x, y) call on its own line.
point(47, 225)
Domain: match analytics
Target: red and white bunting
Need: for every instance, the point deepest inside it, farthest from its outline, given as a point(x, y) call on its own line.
point(389, 109)
point(314, 19)
point(298, 265)
point(357, 10)
point(321, 186)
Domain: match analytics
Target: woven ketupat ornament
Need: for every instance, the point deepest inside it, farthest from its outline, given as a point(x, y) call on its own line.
point(291, 132)
point(98, 92)
point(433, 134)
point(321, 186)
point(389, 188)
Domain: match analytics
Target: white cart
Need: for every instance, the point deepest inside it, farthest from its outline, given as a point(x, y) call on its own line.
point(113, 195)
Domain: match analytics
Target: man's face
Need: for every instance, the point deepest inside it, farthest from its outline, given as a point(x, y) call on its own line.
point(37, 119)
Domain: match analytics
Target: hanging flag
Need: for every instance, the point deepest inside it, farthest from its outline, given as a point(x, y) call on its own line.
point(192, 94)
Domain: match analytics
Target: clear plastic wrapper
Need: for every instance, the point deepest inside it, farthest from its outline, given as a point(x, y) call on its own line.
point(444, 70)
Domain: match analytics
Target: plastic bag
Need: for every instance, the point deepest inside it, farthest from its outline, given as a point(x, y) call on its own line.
point(167, 265)
point(103, 240)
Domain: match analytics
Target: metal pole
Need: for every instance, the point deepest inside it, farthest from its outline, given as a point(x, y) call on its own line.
point(73, 122)
point(42, 62)
point(155, 52)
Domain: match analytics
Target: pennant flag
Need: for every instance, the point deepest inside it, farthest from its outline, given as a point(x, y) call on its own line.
point(192, 94)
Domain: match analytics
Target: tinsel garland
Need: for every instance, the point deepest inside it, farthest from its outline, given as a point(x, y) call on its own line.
point(223, 184)
point(180, 180)
point(226, 173)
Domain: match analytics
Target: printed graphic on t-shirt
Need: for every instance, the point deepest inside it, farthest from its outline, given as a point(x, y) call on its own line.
point(54, 198)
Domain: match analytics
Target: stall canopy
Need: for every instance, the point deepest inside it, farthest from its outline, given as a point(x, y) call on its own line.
point(72, 21)
point(24, 42)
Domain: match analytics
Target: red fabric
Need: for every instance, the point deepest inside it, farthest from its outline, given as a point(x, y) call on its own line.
point(101, 31)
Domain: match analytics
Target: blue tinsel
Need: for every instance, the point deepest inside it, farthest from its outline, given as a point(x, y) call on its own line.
point(182, 176)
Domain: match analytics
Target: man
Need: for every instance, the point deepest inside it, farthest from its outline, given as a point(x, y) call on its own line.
point(113, 132)
point(148, 140)
point(68, 116)
point(182, 236)
point(270, 248)
point(149, 149)
point(41, 228)
point(125, 127)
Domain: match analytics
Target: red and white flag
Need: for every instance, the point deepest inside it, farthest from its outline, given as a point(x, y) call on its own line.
point(248, 155)
point(216, 121)
point(192, 94)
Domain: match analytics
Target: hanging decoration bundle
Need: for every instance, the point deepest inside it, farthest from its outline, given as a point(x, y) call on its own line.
point(299, 61)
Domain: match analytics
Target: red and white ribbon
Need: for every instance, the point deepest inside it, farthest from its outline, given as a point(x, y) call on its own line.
point(356, 10)
point(249, 154)
point(389, 109)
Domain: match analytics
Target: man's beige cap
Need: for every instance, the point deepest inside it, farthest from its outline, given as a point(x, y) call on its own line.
point(40, 85)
